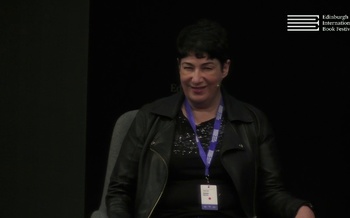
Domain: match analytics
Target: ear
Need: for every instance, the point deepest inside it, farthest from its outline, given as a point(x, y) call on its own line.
point(226, 68)
point(178, 61)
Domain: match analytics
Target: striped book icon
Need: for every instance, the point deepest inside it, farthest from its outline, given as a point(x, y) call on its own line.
point(303, 22)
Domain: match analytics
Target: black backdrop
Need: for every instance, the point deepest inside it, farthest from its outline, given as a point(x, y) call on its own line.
point(43, 93)
point(297, 78)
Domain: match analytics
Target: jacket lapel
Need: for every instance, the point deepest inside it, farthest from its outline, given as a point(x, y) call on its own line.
point(240, 164)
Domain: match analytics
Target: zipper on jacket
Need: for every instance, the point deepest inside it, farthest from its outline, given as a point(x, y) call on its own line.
point(166, 181)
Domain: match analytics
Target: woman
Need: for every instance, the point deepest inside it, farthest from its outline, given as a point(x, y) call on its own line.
point(200, 152)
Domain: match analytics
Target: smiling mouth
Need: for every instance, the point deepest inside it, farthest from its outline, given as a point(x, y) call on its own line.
point(197, 89)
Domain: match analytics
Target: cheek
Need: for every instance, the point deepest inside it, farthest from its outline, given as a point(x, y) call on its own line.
point(185, 78)
point(214, 79)
point(183, 81)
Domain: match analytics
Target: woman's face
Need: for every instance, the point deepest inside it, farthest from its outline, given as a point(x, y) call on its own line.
point(200, 79)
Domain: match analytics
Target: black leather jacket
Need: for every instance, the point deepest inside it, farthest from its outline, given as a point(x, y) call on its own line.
point(248, 154)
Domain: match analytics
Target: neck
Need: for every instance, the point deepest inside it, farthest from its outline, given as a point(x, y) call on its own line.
point(201, 113)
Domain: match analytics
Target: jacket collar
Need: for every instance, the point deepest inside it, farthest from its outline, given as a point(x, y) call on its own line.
point(236, 110)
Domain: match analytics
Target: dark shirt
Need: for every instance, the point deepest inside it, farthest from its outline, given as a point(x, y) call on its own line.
point(181, 197)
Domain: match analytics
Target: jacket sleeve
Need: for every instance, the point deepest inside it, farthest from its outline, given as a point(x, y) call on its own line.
point(121, 190)
point(275, 200)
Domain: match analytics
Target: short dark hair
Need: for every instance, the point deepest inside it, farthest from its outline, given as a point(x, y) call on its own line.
point(203, 37)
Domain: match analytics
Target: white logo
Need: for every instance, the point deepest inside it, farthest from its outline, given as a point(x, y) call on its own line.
point(303, 22)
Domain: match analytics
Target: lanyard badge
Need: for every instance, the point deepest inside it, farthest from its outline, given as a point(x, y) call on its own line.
point(209, 199)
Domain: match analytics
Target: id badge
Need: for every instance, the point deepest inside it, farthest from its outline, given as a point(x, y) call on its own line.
point(209, 197)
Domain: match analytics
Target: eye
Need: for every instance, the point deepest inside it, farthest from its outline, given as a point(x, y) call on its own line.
point(188, 68)
point(207, 68)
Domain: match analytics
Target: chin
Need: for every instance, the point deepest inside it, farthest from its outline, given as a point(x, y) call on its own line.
point(197, 100)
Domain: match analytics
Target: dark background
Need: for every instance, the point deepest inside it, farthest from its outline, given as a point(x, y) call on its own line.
point(68, 69)
point(43, 101)
point(297, 78)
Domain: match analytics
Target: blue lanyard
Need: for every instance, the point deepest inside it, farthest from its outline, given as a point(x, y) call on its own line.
point(206, 158)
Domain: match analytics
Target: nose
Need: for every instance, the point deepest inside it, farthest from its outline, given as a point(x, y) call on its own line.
point(197, 76)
